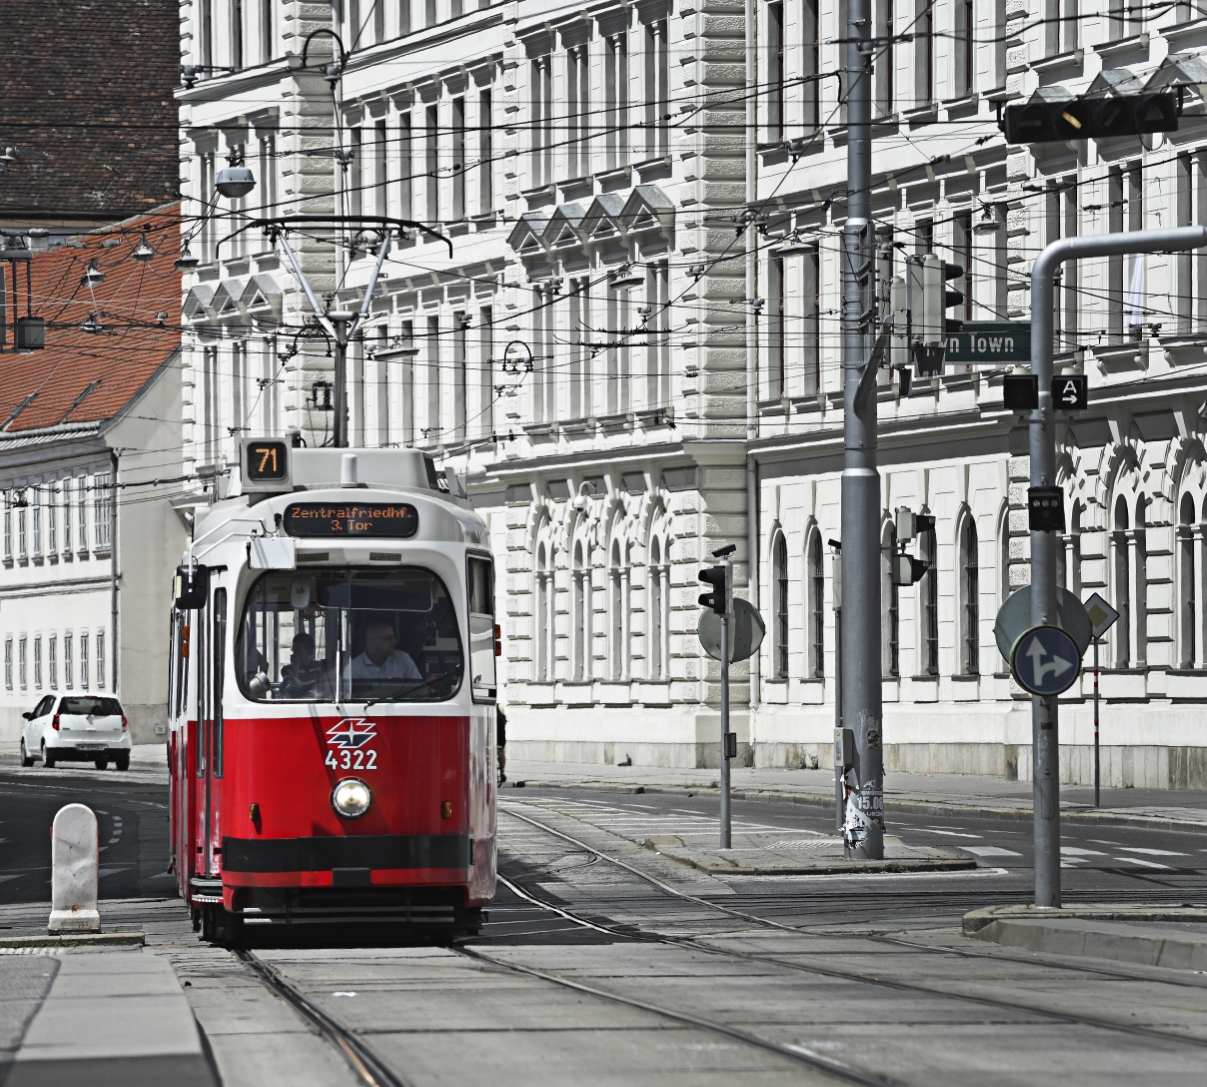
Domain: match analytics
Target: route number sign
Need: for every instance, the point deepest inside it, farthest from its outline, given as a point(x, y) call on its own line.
point(266, 466)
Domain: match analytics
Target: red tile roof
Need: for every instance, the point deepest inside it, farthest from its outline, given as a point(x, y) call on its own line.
point(86, 376)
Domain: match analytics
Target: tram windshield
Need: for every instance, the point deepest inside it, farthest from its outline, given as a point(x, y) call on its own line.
point(347, 634)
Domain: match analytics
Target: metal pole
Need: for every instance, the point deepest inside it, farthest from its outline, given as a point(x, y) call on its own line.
point(725, 820)
point(1096, 797)
point(861, 680)
point(839, 799)
point(340, 427)
point(1045, 750)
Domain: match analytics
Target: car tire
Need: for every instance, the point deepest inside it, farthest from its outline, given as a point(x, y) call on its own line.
point(101, 764)
point(122, 760)
point(47, 758)
point(26, 758)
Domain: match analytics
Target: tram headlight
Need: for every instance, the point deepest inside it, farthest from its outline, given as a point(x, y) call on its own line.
point(351, 798)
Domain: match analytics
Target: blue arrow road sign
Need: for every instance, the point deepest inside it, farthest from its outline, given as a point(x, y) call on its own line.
point(1045, 661)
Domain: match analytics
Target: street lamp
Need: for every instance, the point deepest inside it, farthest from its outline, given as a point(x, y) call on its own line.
point(94, 277)
point(235, 180)
point(186, 262)
point(144, 252)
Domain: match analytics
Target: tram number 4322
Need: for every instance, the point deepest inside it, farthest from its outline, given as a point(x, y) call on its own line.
point(347, 745)
point(351, 760)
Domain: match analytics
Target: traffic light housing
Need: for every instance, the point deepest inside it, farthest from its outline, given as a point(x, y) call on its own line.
point(908, 570)
point(1040, 121)
point(930, 321)
point(717, 577)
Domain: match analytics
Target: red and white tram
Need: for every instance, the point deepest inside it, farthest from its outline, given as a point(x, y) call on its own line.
point(332, 698)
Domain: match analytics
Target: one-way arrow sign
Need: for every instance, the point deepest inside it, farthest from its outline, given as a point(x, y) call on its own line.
point(1045, 661)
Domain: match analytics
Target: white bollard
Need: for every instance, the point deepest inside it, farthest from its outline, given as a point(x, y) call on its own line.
point(74, 859)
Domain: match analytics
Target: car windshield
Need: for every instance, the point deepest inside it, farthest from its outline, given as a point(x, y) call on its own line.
point(94, 707)
point(347, 634)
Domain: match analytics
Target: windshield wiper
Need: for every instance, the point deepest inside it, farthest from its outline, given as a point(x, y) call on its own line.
point(412, 687)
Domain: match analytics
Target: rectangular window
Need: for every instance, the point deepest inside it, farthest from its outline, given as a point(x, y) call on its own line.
point(658, 95)
point(886, 62)
point(811, 65)
point(38, 662)
point(266, 36)
point(961, 246)
point(37, 522)
point(67, 663)
point(52, 520)
point(238, 387)
point(616, 101)
point(486, 196)
point(83, 662)
point(356, 173)
point(777, 376)
point(965, 49)
point(429, 12)
point(432, 430)
point(1184, 297)
point(66, 489)
point(404, 17)
point(460, 374)
point(406, 168)
point(458, 163)
point(268, 172)
point(542, 108)
point(205, 36)
point(22, 510)
point(8, 527)
point(8, 663)
point(52, 661)
point(924, 54)
point(486, 317)
point(236, 15)
point(81, 504)
point(380, 179)
point(811, 320)
point(775, 73)
point(22, 673)
point(100, 658)
point(432, 153)
point(103, 510)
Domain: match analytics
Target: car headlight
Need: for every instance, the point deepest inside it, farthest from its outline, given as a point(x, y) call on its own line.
point(351, 798)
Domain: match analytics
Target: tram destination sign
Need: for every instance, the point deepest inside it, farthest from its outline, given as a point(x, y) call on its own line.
point(989, 343)
point(351, 520)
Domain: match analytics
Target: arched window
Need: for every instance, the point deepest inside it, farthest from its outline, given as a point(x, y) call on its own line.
point(582, 616)
point(540, 613)
point(890, 601)
point(779, 568)
point(1003, 541)
point(970, 593)
point(659, 593)
point(1187, 596)
point(1123, 586)
point(817, 611)
point(928, 590)
point(620, 614)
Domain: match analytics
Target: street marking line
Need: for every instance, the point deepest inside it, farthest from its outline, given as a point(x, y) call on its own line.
point(1151, 852)
point(1075, 851)
point(1146, 864)
point(989, 851)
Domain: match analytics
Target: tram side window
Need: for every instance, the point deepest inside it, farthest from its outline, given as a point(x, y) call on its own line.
point(482, 626)
point(349, 634)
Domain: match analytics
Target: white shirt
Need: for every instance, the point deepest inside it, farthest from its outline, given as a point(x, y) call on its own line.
point(398, 665)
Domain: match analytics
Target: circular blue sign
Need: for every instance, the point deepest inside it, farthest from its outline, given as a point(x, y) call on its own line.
point(1045, 661)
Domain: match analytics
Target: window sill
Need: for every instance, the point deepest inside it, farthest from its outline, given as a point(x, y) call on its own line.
point(922, 115)
point(1070, 59)
point(616, 173)
point(1123, 45)
point(962, 104)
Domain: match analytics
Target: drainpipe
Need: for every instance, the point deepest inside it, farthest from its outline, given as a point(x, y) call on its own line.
point(114, 638)
point(752, 366)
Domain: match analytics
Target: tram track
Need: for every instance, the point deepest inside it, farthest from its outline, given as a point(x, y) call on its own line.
point(629, 932)
point(361, 1058)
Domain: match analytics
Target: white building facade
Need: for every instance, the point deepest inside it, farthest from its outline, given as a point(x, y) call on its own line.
point(585, 354)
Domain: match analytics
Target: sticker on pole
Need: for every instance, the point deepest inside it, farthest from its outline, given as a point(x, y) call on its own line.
point(1045, 661)
point(1101, 614)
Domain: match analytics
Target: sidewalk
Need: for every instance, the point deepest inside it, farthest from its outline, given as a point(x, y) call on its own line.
point(927, 794)
point(112, 1019)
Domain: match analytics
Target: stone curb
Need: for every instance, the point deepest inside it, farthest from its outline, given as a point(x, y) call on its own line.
point(943, 862)
point(79, 939)
point(912, 807)
point(1097, 938)
point(975, 920)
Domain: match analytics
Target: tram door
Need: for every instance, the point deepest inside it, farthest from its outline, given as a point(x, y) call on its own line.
point(210, 647)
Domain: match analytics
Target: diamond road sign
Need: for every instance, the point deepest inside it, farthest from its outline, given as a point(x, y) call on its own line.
point(989, 342)
point(1101, 614)
point(1045, 661)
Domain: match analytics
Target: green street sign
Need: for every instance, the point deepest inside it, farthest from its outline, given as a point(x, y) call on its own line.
point(992, 342)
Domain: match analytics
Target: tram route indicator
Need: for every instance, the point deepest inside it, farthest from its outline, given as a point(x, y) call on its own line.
point(351, 520)
point(266, 466)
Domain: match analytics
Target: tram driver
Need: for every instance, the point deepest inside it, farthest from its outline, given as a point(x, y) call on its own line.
point(381, 657)
point(303, 675)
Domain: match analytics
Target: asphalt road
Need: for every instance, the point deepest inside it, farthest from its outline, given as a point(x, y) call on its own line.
point(132, 813)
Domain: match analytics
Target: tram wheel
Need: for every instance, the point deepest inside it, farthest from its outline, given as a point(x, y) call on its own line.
point(101, 764)
point(221, 928)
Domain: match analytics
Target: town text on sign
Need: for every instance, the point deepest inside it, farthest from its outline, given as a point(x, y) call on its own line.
point(989, 342)
point(318, 519)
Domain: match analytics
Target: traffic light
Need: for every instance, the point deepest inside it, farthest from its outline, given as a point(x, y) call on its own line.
point(930, 321)
point(1040, 121)
point(1045, 509)
point(908, 570)
point(716, 576)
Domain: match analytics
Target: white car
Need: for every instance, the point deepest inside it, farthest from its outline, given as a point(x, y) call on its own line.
point(78, 728)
